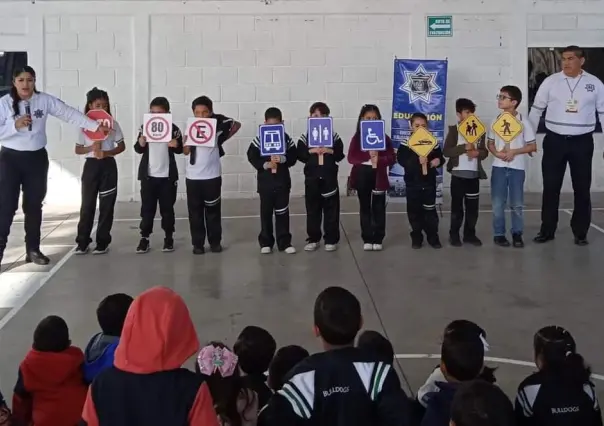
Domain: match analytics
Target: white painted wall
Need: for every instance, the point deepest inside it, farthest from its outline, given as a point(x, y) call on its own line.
point(250, 54)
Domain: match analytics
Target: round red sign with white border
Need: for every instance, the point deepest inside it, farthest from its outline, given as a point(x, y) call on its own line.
point(157, 136)
point(207, 136)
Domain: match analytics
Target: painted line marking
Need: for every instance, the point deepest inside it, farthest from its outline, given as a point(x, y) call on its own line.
point(508, 361)
point(593, 225)
point(255, 216)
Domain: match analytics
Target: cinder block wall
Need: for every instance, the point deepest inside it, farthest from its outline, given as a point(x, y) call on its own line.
point(249, 55)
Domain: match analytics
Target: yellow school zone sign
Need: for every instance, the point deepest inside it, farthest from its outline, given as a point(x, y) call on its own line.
point(471, 129)
point(422, 142)
point(507, 127)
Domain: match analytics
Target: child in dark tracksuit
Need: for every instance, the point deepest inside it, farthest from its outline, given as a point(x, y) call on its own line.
point(421, 189)
point(158, 175)
point(274, 189)
point(100, 352)
point(465, 166)
point(322, 193)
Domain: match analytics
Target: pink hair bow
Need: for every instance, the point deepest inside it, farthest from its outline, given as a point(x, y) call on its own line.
point(213, 358)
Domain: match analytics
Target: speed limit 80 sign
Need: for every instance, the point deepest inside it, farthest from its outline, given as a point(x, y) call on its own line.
point(157, 127)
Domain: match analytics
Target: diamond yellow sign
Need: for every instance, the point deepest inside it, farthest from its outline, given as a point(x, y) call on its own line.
point(422, 142)
point(507, 127)
point(471, 129)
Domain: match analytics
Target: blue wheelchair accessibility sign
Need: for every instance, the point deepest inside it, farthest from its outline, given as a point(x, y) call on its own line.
point(320, 132)
point(272, 140)
point(373, 135)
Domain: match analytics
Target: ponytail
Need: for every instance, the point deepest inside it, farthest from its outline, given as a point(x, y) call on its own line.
point(556, 350)
point(13, 90)
point(95, 94)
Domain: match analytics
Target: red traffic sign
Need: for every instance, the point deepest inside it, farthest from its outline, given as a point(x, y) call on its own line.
point(157, 128)
point(201, 131)
point(104, 119)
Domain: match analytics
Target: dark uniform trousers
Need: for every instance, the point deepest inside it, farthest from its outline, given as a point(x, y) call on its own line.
point(275, 201)
point(27, 170)
point(421, 210)
point(99, 180)
point(577, 151)
point(203, 202)
point(153, 191)
point(372, 206)
point(322, 208)
point(464, 195)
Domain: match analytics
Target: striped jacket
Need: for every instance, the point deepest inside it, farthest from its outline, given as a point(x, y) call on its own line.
point(328, 172)
point(268, 181)
point(342, 387)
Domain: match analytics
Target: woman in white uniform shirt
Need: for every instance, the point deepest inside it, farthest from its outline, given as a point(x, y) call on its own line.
point(23, 157)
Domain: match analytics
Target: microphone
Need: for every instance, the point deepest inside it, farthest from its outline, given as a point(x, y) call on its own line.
point(28, 112)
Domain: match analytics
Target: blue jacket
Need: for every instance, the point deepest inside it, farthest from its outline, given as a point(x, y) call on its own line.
point(438, 409)
point(99, 355)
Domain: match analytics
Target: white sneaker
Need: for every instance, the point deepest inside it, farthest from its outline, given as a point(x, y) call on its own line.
point(311, 246)
point(290, 250)
point(331, 247)
point(377, 247)
point(266, 250)
point(368, 247)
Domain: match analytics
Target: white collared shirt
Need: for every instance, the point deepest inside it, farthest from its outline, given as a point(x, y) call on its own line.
point(556, 91)
point(526, 137)
point(465, 162)
point(207, 164)
point(41, 105)
point(113, 138)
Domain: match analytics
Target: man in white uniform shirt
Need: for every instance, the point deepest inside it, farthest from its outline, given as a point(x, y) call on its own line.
point(23, 157)
point(571, 100)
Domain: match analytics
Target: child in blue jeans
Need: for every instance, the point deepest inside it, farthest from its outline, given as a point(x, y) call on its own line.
point(507, 176)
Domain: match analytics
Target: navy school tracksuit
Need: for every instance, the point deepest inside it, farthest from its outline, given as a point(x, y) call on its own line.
point(274, 189)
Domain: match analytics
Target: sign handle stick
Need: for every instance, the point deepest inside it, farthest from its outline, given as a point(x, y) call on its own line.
point(320, 159)
point(273, 171)
point(425, 169)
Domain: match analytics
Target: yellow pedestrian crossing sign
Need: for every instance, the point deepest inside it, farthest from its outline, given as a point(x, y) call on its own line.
point(422, 142)
point(471, 129)
point(507, 127)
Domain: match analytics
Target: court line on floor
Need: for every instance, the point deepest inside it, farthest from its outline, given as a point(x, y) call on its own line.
point(508, 361)
point(255, 216)
point(593, 225)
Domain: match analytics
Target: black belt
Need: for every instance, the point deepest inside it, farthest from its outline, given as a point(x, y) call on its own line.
point(549, 132)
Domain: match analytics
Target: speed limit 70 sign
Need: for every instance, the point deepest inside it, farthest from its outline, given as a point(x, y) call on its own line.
point(157, 127)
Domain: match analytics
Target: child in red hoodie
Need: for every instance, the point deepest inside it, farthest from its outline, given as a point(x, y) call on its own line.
point(50, 389)
point(371, 183)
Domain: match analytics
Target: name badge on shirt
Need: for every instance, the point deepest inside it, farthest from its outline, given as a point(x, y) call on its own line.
point(572, 106)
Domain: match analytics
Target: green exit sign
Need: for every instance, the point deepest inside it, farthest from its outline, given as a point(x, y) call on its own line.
point(440, 26)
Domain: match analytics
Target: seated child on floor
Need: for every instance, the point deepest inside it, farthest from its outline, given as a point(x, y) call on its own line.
point(480, 403)
point(235, 404)
point(255, 348)
point(50, 389)
point(376, 344)
point(100, 351)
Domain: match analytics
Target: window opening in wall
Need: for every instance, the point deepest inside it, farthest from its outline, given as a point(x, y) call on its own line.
point(10, 61)
point(545, 61)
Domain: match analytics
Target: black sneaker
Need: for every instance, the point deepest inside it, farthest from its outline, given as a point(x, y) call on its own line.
point(501, 241)
point(143, 246)
point(435, 242)
point(517, 241)
point(543, 238)
point(198, 250)
point(454, 240)
point(100, 249)
point(168, 245)
point(472, 240)
point(216, 248)
point(81, 249)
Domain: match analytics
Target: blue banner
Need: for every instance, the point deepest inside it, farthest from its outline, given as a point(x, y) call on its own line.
point(419, 86)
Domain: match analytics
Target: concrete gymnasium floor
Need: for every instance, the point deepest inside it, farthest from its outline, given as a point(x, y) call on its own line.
point(410, 295)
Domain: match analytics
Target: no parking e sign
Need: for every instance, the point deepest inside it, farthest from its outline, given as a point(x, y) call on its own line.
point(201, 132)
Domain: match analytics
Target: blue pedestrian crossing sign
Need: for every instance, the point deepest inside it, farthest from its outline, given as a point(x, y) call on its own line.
point(272, 139)
point(320, 132)
point(373, 135)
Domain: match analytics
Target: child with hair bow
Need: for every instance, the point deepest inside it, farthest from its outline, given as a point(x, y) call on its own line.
point(235, 404)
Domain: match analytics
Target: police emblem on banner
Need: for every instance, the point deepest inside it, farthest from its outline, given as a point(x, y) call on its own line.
point(420, 84)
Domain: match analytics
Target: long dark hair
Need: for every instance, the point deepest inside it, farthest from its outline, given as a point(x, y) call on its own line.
point(226, 391)
point(557, 351)
point(13, 90)
point(364, 110)
point(95, 94)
